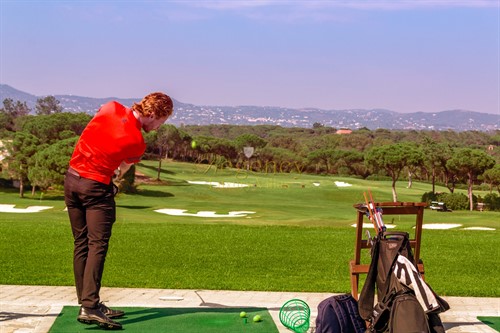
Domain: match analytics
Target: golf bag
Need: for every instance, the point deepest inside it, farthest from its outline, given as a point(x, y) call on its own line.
point(406, 303)
point(339, 314)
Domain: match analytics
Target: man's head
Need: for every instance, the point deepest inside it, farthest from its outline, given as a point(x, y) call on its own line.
point(154, 110)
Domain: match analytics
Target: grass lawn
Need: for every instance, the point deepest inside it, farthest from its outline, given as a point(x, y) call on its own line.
point(299, 237)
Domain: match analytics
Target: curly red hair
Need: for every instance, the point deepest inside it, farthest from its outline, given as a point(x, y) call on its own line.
point(156, 104)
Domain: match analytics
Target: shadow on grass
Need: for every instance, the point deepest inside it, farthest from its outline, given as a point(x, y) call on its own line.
point(176, 182)
point(161, 182)
point(153, 193)
point(155, 168)
point(133, 207)
point(9, 190)
point(54, 197)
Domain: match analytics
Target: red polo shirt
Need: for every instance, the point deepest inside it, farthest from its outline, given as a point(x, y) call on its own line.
point(112, 136)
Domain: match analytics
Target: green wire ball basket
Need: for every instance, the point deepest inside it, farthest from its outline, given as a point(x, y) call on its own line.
point(294, 315)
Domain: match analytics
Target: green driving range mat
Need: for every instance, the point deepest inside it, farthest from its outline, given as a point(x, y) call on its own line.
point(493, 322)
point(174, 320)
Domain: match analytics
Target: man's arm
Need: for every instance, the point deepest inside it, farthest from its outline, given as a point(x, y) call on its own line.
point(122, 169)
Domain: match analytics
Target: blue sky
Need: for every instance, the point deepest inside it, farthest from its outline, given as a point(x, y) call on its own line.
point(405, 56)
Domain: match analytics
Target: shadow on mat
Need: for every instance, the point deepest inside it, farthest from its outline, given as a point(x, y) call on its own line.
point(222, 306)
point(155, 313)
point(177, 320)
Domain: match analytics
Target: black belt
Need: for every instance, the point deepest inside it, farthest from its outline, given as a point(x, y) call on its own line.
point(73, 172)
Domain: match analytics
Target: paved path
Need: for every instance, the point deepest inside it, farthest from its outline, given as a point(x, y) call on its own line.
point(33, 309)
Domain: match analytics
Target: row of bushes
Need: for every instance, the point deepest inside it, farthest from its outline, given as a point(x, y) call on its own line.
point(459, 201)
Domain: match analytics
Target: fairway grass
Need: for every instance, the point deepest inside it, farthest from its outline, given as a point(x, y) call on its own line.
point(299, 238)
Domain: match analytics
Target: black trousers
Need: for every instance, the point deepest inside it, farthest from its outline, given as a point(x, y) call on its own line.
point(92, 212)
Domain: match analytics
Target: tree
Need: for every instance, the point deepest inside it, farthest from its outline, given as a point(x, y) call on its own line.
point(391, 158)
point(319, 156)
point(414, 159)
point(285, 141)
point(272, 159)
point(492, 177)
point(4, 123)
point(328, 141)
point(358, 140)
point(470, 163)
point(166, 136)
point(352, 160)
point(20, 153)
point(11, 111)
point(55, 127)
point(48, 105)
point(50, 164)
point(431, 159)
point(249, 140)
point(444, 151)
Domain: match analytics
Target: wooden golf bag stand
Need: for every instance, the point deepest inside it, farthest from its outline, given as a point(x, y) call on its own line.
point(405, 302)
point(389, 208)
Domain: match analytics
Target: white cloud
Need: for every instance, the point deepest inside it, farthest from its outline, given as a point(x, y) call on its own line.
point(228, 5)
point(320, 11)
point(353, 4)
point(409, 4)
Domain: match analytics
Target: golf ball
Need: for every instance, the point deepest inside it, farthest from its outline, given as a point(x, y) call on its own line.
point(243, 314)
point(257, 318)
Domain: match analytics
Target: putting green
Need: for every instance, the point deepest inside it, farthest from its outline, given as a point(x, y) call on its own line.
point(216, 320)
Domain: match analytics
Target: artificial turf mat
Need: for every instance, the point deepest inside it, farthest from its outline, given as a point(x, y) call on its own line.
point(493, 322)
point(174, 320)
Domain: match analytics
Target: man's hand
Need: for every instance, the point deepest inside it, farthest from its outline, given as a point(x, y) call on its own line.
point(122, 170)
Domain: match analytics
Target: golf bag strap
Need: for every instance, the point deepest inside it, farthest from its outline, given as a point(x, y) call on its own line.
point(367, 295)
point(346, 309)
point(353, 311)
point(341, 315)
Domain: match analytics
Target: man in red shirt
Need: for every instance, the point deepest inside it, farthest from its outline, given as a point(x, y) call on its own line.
point(111, 141)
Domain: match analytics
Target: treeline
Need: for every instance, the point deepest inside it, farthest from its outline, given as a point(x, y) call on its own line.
point(37, 148)
point(448, 158)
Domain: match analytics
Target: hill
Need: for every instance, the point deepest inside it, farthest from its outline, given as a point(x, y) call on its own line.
point(190, 114)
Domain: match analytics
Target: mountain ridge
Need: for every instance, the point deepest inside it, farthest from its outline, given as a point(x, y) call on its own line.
point(190, 114)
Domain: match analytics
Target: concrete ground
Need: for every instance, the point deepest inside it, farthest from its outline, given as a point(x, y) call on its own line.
point(33, 309)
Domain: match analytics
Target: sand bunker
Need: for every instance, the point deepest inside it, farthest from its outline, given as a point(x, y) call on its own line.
point(440, 226)
point(182, 212)
point(30, 209)
point(342, 184)
point(479, 228)
point(218, 185)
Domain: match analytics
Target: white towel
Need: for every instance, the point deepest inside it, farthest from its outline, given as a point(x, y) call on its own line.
point(409, 276)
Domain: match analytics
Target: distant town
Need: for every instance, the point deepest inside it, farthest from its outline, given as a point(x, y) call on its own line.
point(190, 114)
